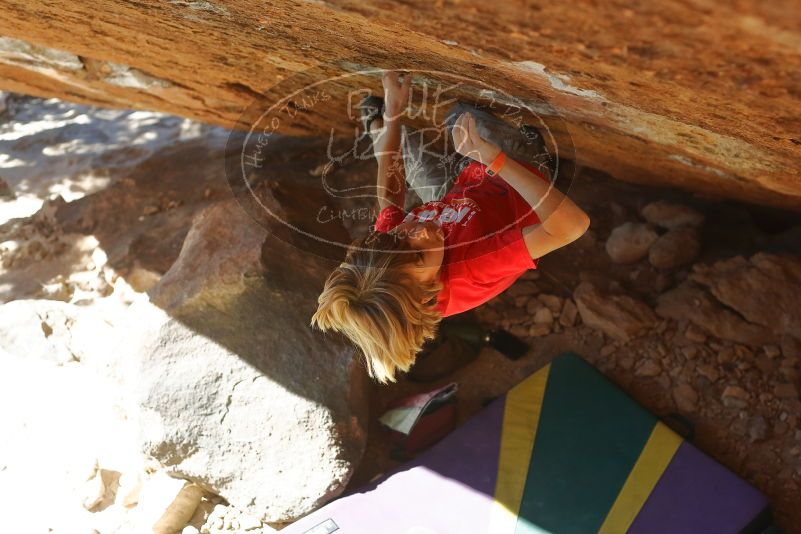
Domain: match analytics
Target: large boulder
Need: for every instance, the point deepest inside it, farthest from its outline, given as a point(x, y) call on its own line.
point(643, 92)
point(237, 393)
point(690, 302)
point(765, 289)
point(620, 317)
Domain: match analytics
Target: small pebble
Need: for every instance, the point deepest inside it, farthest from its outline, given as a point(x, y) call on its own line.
point(694, 334)
point(709, 372)
point(648, 368)
point(734, 397)
point(785, 391)
point(757, 428)
point(248, 522)
point(569, 312)
point(533, 305)
point(685, 397)
point(690, 352)
point(726, 355)
point(539, 330)
point(543, 316)
point(553, 302)
point(522, 288)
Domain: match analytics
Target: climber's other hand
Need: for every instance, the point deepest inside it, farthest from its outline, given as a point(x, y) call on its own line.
point(469, 143)
point(396, 94)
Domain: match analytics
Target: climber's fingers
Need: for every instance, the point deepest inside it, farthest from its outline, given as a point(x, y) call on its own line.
point(396, 94)
point(460, 135)
point(404, 86)
point(466, 138)
point(457, 138)
point(407, 81)
point(472, 131)
point(389, 80)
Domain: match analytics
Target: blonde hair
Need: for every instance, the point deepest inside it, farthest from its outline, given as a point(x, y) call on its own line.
point(375, 302)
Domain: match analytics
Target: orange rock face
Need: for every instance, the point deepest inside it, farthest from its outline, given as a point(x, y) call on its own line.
point(700, 95)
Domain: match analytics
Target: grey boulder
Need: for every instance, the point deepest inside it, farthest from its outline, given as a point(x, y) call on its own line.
point(630, 242)
point(236, 392)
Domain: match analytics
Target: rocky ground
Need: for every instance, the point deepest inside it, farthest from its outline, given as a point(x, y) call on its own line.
point(687, 303)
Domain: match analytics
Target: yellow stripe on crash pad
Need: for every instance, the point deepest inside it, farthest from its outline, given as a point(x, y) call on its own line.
point(520, 420)
point(652, 462)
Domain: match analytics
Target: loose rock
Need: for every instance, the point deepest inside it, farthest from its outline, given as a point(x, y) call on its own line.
point(5, 190)
point(166, 504)
point(671, 215)
point(54, 331)
point(791, 347)
point(726, 355)
point(685, 397)
point(708, 371)
point(765, 289)
point(765, 364)
point(552, 302)
point(630, 242)
point(676, 247)
point(543, 316)
point(690, 351)
point(539, 330)
point(790, 373)
point(618, 316)
point(648, 368)
point(533, 306)
point(606, 350)
point(130, 488)
point(248, 522)
point(694, 334)
point(94, 491)
point(734, 397)
point(757, 428)
point(688, 301)
point(785, 391)
point(523, 288)
point(569, 313)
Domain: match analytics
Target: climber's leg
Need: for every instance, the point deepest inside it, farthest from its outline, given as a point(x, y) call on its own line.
point(426, 176)
point(427, 170)
point(372, 109)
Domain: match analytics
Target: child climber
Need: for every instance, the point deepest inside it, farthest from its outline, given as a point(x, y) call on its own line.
point(448, 255)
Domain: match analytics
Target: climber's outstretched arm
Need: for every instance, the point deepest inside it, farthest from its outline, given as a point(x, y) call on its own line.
point(391, 181)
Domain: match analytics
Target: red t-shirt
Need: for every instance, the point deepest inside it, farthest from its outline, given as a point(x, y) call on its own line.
point(482, 217)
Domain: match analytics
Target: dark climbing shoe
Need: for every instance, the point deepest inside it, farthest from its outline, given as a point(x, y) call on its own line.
point(371, 108)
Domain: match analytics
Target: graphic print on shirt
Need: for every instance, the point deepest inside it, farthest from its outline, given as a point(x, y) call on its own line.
point(456, 211)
